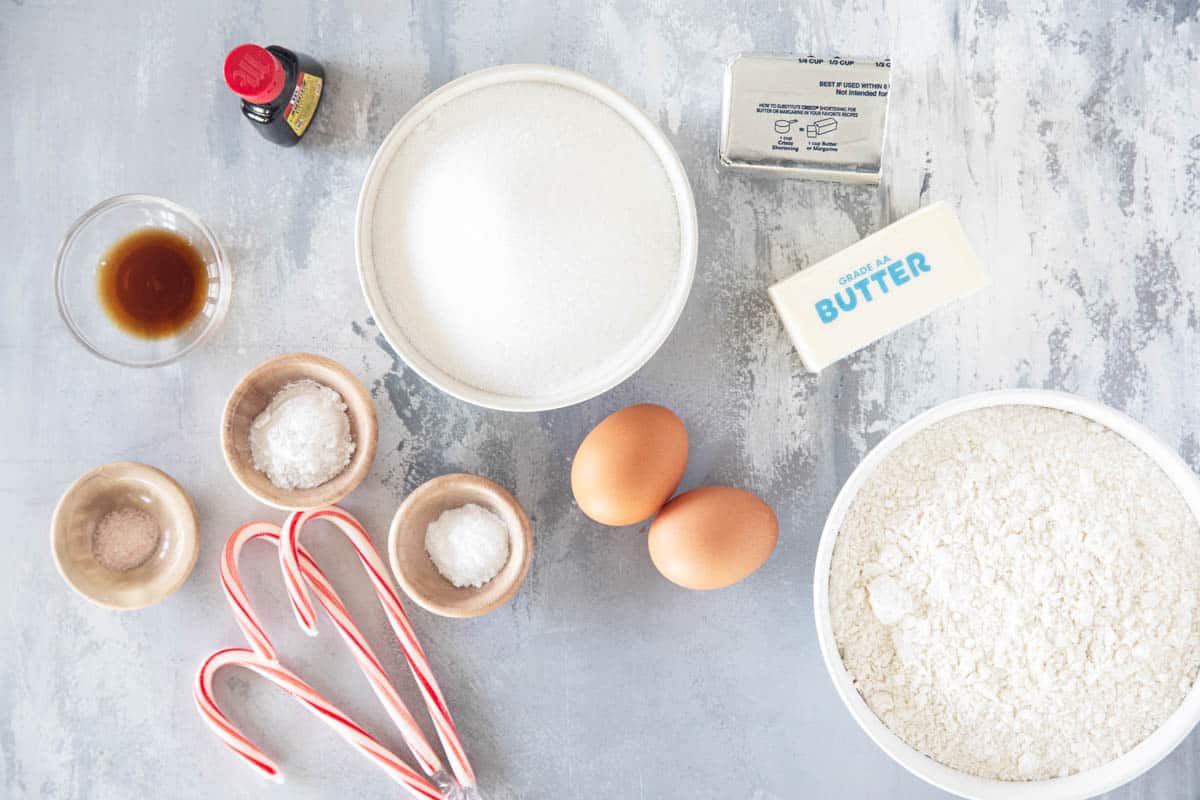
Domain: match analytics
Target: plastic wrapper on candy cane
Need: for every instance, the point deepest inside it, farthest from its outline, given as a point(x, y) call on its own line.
point(290, 561)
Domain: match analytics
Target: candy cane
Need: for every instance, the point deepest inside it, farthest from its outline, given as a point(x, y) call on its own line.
point(371, 668)
point(295, 686)
point(289, 559)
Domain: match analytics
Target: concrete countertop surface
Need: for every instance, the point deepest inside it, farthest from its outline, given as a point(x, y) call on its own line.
point(1066, 135)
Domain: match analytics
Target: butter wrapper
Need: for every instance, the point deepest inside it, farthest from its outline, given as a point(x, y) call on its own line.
point(805, 117)
point(870, 289)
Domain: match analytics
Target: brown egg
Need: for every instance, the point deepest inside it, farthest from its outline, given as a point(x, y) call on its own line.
point(712, 536)
point(628, 466)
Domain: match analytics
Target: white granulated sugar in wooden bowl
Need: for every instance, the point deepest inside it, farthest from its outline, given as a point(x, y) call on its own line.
point(1014, 592)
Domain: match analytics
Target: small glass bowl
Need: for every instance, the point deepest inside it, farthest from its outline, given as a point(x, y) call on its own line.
point(75, 279)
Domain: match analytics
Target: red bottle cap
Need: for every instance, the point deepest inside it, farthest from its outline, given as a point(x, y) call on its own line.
point(253, 73)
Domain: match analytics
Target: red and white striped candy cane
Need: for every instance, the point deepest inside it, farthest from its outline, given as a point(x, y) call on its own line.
point(295, 686)
point(370, 665)
point(289, 559)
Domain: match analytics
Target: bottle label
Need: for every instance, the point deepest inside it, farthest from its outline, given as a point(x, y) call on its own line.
point(300, 109)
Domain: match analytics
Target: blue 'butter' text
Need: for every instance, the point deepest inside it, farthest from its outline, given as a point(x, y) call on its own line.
point(878, 283)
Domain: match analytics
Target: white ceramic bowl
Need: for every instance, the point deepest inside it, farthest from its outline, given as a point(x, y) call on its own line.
point(393, 329)
point(1080, 785)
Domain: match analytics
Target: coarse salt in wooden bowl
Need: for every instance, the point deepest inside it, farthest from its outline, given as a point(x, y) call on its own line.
point(253, 393)
point(415, 570)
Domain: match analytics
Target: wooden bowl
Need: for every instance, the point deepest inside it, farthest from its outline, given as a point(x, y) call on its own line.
point(415, 571)
point(253, 393)
point(124, 484)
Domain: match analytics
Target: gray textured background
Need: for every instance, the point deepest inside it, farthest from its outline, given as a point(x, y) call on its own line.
point(1065, 133)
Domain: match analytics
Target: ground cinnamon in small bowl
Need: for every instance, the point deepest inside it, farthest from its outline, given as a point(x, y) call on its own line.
point(125, 539)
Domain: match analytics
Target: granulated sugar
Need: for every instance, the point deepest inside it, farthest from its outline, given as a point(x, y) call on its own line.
point(1014, 593)
point(527, 239)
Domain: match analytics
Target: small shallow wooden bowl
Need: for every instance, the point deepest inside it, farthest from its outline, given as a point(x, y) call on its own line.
point(253, 393)
point(415, 571)
point(124, 484)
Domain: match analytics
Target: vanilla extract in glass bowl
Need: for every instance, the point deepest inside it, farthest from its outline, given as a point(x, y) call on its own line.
point(141, 281)
point(152, 283)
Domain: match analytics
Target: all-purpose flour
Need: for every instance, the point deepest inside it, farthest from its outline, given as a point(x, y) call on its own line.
point(527, 239)
point(1014, 593)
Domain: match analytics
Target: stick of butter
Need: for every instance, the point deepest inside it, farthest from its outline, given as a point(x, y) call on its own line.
point(889, 279)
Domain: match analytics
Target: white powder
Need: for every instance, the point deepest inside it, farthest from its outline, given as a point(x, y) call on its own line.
point(302, 438)
point(1014, 593)
point(526, 239)
point(468, 545)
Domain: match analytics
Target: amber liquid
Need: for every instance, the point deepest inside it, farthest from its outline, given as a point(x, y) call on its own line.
point(152, 283)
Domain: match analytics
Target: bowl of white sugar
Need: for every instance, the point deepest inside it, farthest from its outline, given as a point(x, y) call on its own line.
point(526, 238)
point(1006, 596)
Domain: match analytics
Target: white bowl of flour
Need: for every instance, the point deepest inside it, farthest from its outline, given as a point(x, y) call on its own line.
point(526, 238)
point(1005, 596)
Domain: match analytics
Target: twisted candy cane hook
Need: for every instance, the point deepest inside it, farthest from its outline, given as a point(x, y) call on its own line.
point(368, 663)
point(290, 561)
point(295, 686)
point(235, 592)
